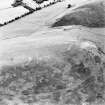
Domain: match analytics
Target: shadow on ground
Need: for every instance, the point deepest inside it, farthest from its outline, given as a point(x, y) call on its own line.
point(90, 15)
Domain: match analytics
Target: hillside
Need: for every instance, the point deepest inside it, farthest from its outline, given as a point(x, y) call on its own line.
point(59, 65)
point(90, 15)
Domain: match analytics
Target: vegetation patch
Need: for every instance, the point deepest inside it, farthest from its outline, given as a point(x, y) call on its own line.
point(76, 78)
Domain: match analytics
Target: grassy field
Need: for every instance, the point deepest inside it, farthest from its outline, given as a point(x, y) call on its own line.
point(58, 66)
